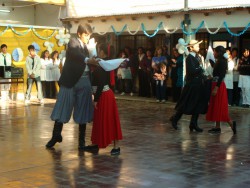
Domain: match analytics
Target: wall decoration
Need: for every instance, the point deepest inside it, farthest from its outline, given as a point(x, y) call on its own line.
point(161, 25)
point(37, 47)
point(49, 46)
point(62, 54)
point(62, 38)
point(17, 54)
point(182, 46)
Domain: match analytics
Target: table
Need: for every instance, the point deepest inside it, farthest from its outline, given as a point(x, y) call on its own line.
point(18, 80)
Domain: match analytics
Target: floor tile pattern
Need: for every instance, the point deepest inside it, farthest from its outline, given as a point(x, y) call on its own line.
point(153, 154)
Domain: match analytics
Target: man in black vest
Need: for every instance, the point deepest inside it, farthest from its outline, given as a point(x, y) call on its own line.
point(75, 92)
point(192, 100)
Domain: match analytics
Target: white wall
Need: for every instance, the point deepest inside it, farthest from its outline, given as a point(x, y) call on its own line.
point(23, 16)
point(234, 20)
point(237, 19)
point(41, 15)
point(48, 15)
point(150, 24)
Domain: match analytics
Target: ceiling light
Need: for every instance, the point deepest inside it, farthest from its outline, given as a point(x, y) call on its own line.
point(5, 10)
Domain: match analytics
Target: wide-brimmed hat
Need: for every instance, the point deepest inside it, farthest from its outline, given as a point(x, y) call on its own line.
point(194, 42)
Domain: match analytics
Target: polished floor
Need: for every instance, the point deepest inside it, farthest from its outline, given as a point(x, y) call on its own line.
point(153, 154)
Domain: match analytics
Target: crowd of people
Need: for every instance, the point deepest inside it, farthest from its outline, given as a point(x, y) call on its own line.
point(44, 71)
point(200, 86)
point(138, 73)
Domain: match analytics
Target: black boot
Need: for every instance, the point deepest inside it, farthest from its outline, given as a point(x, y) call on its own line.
point(56, 135)
point(175, 118)
point(194, 123)
point(82, 132)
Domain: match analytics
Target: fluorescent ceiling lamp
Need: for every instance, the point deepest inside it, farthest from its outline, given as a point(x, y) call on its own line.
point(55, 2)
point(5, 10)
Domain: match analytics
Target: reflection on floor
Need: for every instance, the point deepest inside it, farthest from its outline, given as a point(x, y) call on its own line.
point(153, 154)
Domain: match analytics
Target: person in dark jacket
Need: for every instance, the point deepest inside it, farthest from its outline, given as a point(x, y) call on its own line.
point(75, 92)
point(218, 104)
point(192, 100)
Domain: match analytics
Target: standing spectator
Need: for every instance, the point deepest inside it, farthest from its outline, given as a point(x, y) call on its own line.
point(236, 89)
point(158, 58)
point(33, 66)
point(46, 75)
point(192, 100)
point(75, 93)
point(149, 74)
point(244, 79)
point(133, 66)
point(165, 53)
point(124, 75)
point(5, 60)
point(160, 77)
point(177, 78)
point(55, 72)
point(218, 104)
point(142, 73)
point(229, 78)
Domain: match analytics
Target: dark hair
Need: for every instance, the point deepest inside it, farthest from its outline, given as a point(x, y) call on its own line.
point(140, 48)
point(31, 47)
point(3, 46)
point(86, 28)
point(175, 50)
point(104, 48)
point(43, 54)
point(123, 51)
point(53, 53)
point(235, 49)
point(220, 50)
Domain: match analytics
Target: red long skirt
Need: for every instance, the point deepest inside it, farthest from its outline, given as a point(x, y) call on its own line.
point(218, 105)
point(106, 123)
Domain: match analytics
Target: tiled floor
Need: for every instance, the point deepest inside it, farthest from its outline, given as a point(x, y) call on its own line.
point(153, 154)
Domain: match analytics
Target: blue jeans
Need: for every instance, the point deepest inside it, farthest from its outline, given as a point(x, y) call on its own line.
point(160, 90)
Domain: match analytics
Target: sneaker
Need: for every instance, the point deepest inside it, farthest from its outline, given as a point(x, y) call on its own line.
point(157, 100)
point(41, 101)
point(122, 93)
point(115, 151)
point(131, 94)
point(163, 101)
point(215, 131)
point(27, 101)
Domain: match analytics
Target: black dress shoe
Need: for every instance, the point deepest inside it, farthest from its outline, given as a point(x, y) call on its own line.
point(53, 141)
point(196, 128)
point(90, 148)
point(174, 125)
point(215, 131)
point(115, 151)
point(234, 127)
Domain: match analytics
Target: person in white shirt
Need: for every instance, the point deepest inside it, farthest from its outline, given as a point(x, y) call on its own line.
point(229, 78)
point(5, 60)
point(236, 89)
point(33, 66)
point(46, 73)
point(55, 72)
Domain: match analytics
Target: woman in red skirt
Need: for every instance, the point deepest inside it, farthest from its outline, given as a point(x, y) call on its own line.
point(106, 124)
point(218, 104)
